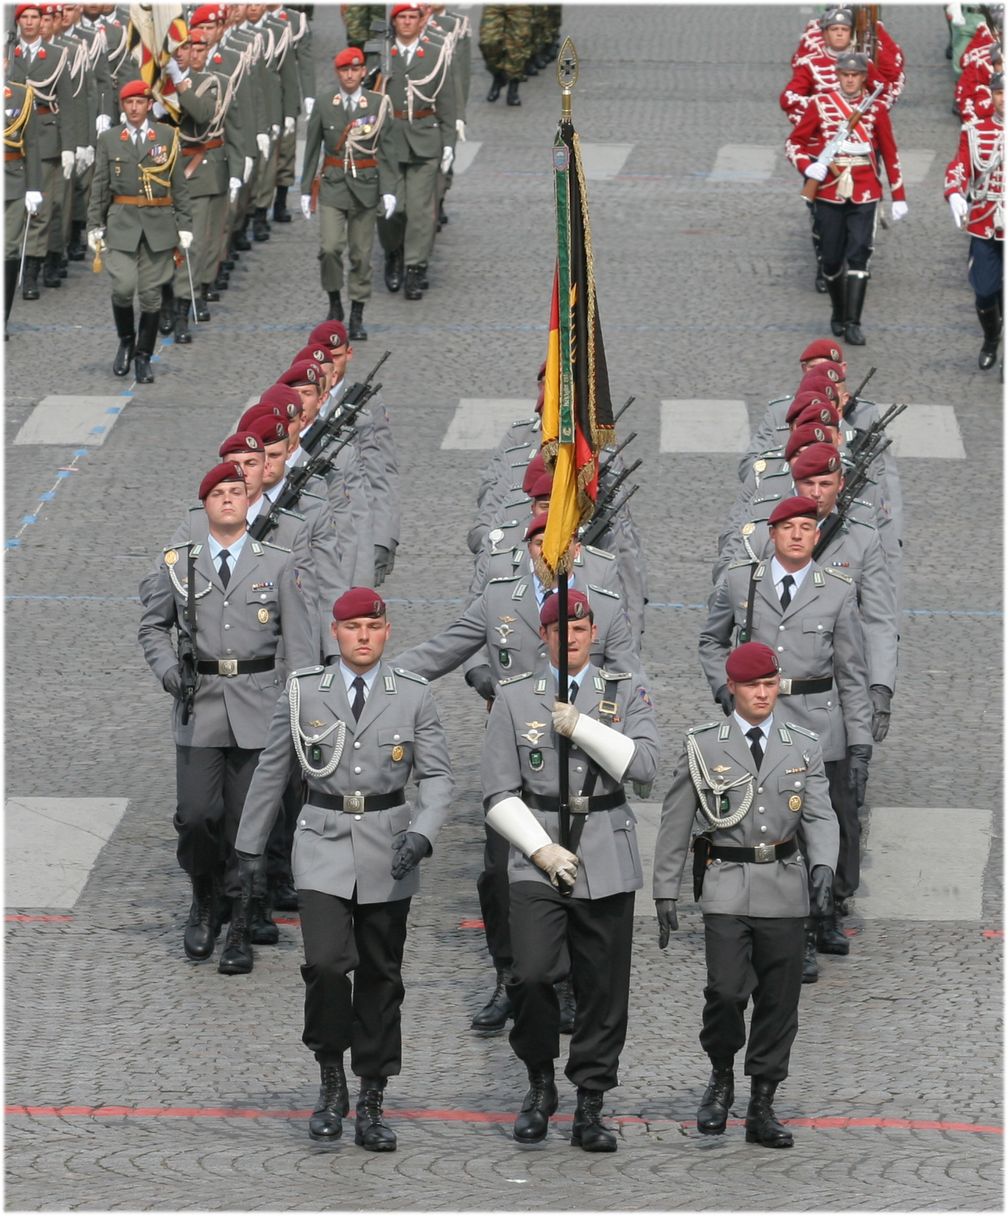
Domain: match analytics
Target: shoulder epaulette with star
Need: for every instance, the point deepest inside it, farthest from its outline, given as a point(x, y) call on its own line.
point(765, 498)
point(410, 675)
point(803, 730)
point(525, 675)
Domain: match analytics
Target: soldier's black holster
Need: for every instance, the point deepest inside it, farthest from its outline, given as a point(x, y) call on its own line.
point(701, 855)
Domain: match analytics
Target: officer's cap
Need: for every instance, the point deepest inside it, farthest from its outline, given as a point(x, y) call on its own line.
point(227, 471)
point(358, 602)
point(578, 608)
point(852, 61)
point(751, 661)
point(814, 461)
point(795, 507)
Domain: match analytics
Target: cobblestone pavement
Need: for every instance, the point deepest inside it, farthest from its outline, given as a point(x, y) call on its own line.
point(135, 1080)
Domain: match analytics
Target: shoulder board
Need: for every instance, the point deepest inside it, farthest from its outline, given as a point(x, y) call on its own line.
point(695, 730)
point(742, 561)
point(505, 578)
point(609, 557)
point(272, 545)
point(508, 523)
point(615, 675)
point(518, 447)
point(802, 730)
point(863, 502)
point(817, 578)
point(613, 595)
point(785, 735)
point(524, 421)
point(785, 472)
point(778, 400)
point(760, 570)
point(839, 574)
point(292, 514)
point(853, 519)
point(772, 453)
point(410, 675)
point(196, 550)
point(306, 671)
point(525, 675)
point(257, 548)
point(765, 498)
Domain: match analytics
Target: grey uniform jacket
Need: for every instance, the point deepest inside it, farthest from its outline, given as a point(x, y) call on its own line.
point(790, 792)
point(261, 606)
point(520, 753)
point(818, 636)
point(399, 736)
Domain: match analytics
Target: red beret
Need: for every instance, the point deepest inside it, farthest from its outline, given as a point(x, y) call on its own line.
point(533, 471)
point(316, 351)
point(803, 399)
point(50, 10)
point(304, 371)
point(822, 414)
point(403, 8)
point(329, 333)
point(287, 398)
point(268, 429)
point(793, 508)
point(815, 461)
point(228, 471)
point(542, 487)
point(135, 88)
point(240, 441)
point(358, 601)
point(802, 436)
point(578, 608)
point(207, 13)
point(751, 661)
point(536, 525)
point(822, 348)
point(257, 411)
point(26, 8)
point(822, 375)
point(348, 57)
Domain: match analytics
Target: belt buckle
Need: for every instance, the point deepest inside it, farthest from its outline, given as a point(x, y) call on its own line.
point(764, 853)
point(227, 667)
point(579, 804)
point(785, 686)
point(353, 802)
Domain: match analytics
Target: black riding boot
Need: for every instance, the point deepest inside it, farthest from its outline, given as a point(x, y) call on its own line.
point(146, 339)
point(857, 285)
point(835, 285)
point(182, 335)
point(990, 323)
point(125, 323)
point(166, 317)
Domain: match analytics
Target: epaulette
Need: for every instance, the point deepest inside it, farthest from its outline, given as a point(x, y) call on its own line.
point(742, 561)
point(410, 675)
point(317, 497)
point(271, 544)
point(292, 514)
point(778, 400)
point(306, 671)
point(766, 498)
point(524, 421)
point(785, 472)
point(614, 675)
point(518, 447)
point(865, 523)
point(838, 574)
point(196, 550)
point(525, 675)
point(609, 557)
point(695, 730)
point(803, 730)
point(615, 595)
point(504, 578)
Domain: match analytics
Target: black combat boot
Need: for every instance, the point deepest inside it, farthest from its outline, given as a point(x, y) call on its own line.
point(540, 1102)
point(810, 964)
point(125, 324)
point(422, 280)
point(182, 335)
point(990, 322)
point(239, 239)
point(715, 1104)
point(76, 251)
point(326, 1122)
point(372, 1132)
point(357, 332)
point(237, 957)
point(830, 937)
point(588, 1131)
point(11, 267)
point(498, 82)
point(857, 285)
point(412, 291)
point(166, 317)
point(260, 226)
point(200, 934)
point(262, 925)
point(209, 292)
point(495, 1013)
point(531, 67)
point(51, 276)
point(761, 1126)
point(29, 284)
point(200, 306)
point(285, 897)
point(568, 1006)
point(442, 217)
point(335, 312)
point(222, 280)
point(820, 279)
point(280, 213)
point(394, 269)
point(146, 339)
point(835, 285)
point(512, 94)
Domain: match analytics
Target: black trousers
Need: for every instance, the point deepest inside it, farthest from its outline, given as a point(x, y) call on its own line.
point(340, 936)
point(211, 784)
point(551, 935)
point(492, 887)
point(986, 270)
point(848, 871)
point(847, 233)
point(759, 957)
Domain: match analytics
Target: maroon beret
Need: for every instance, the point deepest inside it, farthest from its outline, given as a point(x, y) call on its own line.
point(329, 333)
point(751, 661)
point(228, 471)
point(536, 525)
point(304, 371)
point(536, 466)
point(822, 375)
point(259, 410)
point(793, 508)
point(287, 398)
point(542, 487)
point(802, 436)
point(825, 413)
point(578, 608)
point(815, 461)
point(822, 348)
point(358, 601)
point(240, 441)
point(268, 429)
point(803, 399)
point(316, 351)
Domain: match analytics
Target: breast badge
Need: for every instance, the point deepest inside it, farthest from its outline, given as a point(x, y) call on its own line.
point(534, 733)
point(171, 557)
point(398, 752)
point(794, 802)
point(535, 760)
point(263, 615)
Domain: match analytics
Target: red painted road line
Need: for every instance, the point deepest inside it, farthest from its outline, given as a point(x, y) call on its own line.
point(826, 1123)
point(471, 924)
point(24, 918)
point(993, 932)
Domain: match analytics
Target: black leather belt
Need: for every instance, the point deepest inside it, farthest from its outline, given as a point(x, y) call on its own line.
point(578, 804)
point(761, 854)
point(233, 667)
point(356, 802)
point(795, 688)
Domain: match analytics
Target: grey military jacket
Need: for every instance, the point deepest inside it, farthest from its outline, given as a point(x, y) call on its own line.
point(593, 565)
point(790, 792)
point(520, 756)
point(261, 606)
point(818, 636)
point(398, 737)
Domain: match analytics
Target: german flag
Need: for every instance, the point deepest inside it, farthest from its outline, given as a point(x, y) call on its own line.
point(577, 415)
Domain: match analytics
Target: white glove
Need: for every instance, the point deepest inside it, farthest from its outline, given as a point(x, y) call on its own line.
point(565, 718)
point(248, 168)
point(306, 206)
point(67, 161)
point(32, 201)
point(447, 156)
point(460, 129)
point(817, 171)
point(102, 123)
point(309, 105)
point(94, 237)
point(960, 208)
point(234, 185)
point(174, 71)
point(955, 14)
point(184, 239)
point(289, 124)
point(80, 159)
point(899, 210)
point(388, 202)
point(89, 156)
point(559, 863)
point(274, 130)
point(262, 143)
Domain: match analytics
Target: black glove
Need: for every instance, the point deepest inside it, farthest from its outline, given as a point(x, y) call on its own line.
point(410, 849)
point(481, 678)
point(382, 564)
point(668, 920)
point(881, 699)
point(858, 755)
point(822, 892)
point(173, 682)
point(725, 700)
point(391, 559)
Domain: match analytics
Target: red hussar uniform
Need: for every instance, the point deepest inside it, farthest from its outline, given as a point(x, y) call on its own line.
point(815, 72)
point(973, 93)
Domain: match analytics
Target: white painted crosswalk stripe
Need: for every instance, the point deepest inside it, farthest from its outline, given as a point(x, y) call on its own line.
point(743, 163)
point(480, 422)
point(602, 161)
point(916, 164)
point(51, 845)
point(927, 431)
point(694, 425)
point(71, 420)
point(465, 154)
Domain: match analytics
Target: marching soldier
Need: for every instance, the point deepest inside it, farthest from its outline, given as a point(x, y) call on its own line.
point(352, 127)
point(749, 878)
point(506, 44)
point(304, 64)
point(358, 731)
point(22, 179)
point(139, 212)
point(570, 899)
point(973, 91)
point(974, 187)
point(243, 604)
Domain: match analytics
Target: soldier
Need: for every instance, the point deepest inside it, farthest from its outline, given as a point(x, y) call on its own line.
point(974, 187)
point(357, 20)
point(850, 187)
point(569, 899)
point(301, 48)
point(139, 212)
point(505, 42)
point(247, 603)
point(353, 129)
point(973, 91)
point(749, 878)
point(22, 180)
point(358, 732)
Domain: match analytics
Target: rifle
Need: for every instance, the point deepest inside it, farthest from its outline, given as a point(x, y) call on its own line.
point(855, 397)
point(187, 641)
point(832, 148)
point(354, 400)
point(610, 493)
point(601, 520)
point(623, 408)
point(865, 17)
point(606, 464)
point(852, 487)
point(869, 439)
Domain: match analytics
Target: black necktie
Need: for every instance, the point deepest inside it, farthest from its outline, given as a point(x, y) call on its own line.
point(573, 691)
point(755, 737)
point(224, 568)
point(358, 698)
point(787, 582)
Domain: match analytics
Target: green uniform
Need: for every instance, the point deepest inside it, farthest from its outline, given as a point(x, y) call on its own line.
point(505, 38)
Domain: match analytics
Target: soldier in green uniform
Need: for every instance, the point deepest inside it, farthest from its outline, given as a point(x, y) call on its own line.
point(301, 52)
point(22, 179)
point(357, 18)
point(505, 42)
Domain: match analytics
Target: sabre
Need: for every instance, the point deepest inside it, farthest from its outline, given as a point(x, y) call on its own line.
point(192, 289)
point(24, 248)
